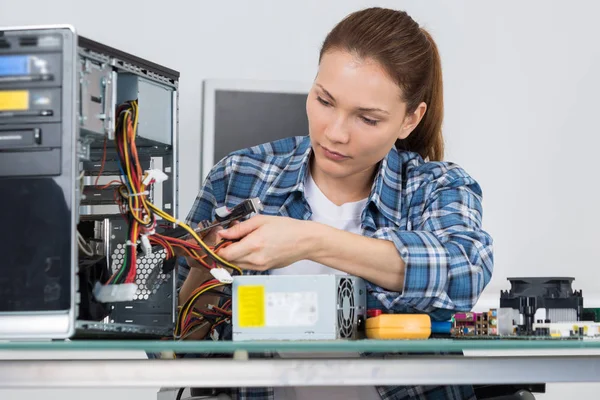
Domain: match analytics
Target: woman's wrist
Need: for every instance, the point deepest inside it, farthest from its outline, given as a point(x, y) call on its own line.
point(313, 240)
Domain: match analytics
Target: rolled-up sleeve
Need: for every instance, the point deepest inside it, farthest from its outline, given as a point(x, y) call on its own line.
point(448, 256)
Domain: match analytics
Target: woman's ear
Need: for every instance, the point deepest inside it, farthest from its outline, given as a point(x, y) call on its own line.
point(412, 120)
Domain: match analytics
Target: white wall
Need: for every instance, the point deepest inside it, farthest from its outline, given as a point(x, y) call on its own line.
point(521, 80)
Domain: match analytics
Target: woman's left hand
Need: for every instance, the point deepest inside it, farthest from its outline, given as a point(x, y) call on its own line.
point(266, 242)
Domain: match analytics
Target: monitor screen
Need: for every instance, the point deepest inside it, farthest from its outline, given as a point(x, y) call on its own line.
point(241, 114)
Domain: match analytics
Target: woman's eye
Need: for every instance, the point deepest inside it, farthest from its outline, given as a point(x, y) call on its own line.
point(323, 101)
point(369, 121)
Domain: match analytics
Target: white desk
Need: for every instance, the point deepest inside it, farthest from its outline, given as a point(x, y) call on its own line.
point(248, 373)
point(483, 364)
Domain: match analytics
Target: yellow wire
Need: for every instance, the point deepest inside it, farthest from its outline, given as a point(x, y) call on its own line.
point(128, 170)
point(194, 235)
point(169, 247)
point(191, 301)
point(128, 167)
point(125, 194)
point(136, 115)
point(195, 297)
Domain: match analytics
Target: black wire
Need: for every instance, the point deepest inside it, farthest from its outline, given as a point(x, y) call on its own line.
point(218, 293)
point(221, 244)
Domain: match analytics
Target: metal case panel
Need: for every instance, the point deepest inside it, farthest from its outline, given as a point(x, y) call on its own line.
point(97, 103)
point(156, 104)
point(71, 84)
point(37, 285)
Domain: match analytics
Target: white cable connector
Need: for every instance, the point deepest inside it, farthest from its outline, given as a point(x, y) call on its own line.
point(115, 293)
point(146, 246)
point(222, 212)
point(154, 175)
point(221, 274)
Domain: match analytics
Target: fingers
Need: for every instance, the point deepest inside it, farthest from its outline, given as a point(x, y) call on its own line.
point(235, 252)
point(251, 267)
point(213, 236)
point(241, 229)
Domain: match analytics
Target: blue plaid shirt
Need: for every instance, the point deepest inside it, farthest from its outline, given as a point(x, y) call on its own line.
point(431, 211)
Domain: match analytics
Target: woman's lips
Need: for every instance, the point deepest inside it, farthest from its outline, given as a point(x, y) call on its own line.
point(332, 155)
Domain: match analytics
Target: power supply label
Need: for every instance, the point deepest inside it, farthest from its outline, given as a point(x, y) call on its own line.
point(251, 306)
point(292, 309)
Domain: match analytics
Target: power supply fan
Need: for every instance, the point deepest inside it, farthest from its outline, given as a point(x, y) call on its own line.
point(345, 308)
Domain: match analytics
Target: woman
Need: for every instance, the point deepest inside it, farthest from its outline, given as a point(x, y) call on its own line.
point(366, 193)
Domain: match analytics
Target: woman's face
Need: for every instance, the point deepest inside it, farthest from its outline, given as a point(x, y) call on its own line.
point(355, 114)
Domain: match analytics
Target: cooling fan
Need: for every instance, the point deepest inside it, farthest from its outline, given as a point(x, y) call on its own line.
point(346, 305)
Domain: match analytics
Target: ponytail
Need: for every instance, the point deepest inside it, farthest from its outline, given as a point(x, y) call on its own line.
point(426, 139)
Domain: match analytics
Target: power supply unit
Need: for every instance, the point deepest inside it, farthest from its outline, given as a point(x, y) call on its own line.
point(298, 307)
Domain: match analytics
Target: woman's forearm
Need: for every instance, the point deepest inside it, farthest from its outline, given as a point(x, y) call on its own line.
point(375, 260)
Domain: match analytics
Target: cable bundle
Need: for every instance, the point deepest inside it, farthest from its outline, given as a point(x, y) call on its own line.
point(141, 216)
point(191, 319)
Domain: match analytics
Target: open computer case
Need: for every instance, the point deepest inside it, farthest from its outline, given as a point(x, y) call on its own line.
point(63, 233)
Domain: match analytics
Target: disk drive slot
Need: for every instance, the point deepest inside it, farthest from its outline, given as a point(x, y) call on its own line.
point(110, 166)
point(99, 210)
point(33, 69)
point(20, 138)
point(28, 137)
point(101, 180)
point(95, 195)
point(30, 105)
point(20, 163)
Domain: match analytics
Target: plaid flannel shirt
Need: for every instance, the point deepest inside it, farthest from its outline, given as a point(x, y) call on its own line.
point(431, 211)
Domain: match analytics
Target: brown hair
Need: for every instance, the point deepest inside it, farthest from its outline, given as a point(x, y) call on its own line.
point(410, 56)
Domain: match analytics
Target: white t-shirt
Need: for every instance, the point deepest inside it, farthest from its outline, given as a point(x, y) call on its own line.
point(346, 217)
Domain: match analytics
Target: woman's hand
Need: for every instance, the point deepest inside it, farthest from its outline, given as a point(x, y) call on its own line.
point(266, 242)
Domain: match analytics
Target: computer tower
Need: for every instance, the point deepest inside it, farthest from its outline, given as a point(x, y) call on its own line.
point(62, 228)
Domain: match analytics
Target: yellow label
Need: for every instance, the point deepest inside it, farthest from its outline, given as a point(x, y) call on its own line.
point(251, 306)
point(14, 100)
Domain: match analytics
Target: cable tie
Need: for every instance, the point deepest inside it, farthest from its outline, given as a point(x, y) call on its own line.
point(144, 193)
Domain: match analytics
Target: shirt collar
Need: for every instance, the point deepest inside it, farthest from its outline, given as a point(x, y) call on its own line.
point(385, 194)
point(291, 178)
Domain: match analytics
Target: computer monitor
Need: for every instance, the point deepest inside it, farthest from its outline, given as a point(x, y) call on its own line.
point(242, 113)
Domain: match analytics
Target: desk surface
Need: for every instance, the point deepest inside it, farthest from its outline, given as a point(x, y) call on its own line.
point(238, 371)
point(359, 346)
point(439, 370)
